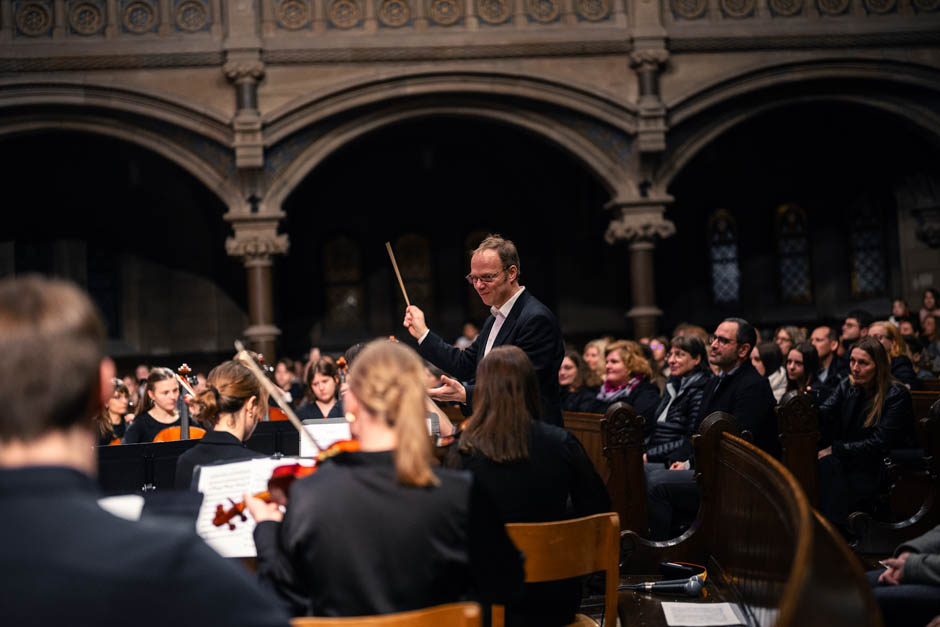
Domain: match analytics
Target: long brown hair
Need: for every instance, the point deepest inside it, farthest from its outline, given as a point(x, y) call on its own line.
point(388, 379)
point(228, 387)
point(104, 416)
point(882, 380)
point(324, 366)
point(505, 401)
point(156, 375)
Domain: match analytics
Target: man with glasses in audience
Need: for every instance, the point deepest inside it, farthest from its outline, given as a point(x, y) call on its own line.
point(739, 390)
point(518, 318)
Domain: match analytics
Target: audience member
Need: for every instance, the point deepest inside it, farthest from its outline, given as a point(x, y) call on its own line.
point(787, 337)
point(864, 418)
point(902, 366)
point(684, 328)
point(854, 328)
point(68, 561)
point(322, 393)
point(593, 356)
point(768, 362)
point(899, 311)
point(111, 420)
point(931, 304)
point(908, 589)
point(628, 379)
point(931, 340)
point(530, 469)
point(826, 342)
point(802, 368)
point(575, 394)
point(470, 333)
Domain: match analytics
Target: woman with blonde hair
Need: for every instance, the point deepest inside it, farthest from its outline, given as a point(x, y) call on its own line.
point(902, 364)
point(231, 407)
point(379, 530)
point(628, 378)
point(593, 357)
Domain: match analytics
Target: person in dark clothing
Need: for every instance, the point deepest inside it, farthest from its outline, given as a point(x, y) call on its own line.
point(826, 342)
point(902, 367)
point(908, 590)
point(69, 562)
point(854, 328)
point(158, 409)
point(232, 406)
point(739, 390)
point(378, 530)
point(321, 392)
point(530, 469)
point(681, 403)
point(802, 367)
point(862, 420)
point(628, 379)
point(576, 395)
point(111, 420)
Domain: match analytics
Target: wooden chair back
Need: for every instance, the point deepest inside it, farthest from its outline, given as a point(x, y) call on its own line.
point(798, 426)
point(622, 446)
point(569, 548)
point(448, 615)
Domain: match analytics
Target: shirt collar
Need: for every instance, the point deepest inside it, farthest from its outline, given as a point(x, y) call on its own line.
point(722, 375)
point(507, 306)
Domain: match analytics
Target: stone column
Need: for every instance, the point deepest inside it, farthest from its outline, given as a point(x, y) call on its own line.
point(245, 70)
point(651, 134)
point(640, 222)
point(256, 241)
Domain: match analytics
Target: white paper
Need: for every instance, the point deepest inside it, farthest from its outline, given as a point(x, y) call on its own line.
point(326, 432)
point(126, 506)
point(223, 484)
point(702, 614)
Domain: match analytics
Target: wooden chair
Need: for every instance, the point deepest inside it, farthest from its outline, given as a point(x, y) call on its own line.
point(448, 615)
point(570, 548)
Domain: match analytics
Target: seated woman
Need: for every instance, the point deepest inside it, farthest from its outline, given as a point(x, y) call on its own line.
point(530, 468)
point(902, 366)
point(378, 530)
point(787, 337)
point(675, 417)
point(232, 407)
point(111, 421)
point(576, 395)
point(157, 410)
point(321, 387)
point(802, 366)
point(768, 361)
point(628, 380)
point(593, 357)
point(865, 417)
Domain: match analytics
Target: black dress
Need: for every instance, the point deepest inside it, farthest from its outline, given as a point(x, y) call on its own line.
point(145, 428)
point(215, 446)
point(311, 411)
point(538, 490)
point(584, 399)
point(117, 431)
point(69, 562)
point(355, 542)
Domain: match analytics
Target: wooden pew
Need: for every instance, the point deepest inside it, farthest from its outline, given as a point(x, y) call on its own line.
point(798, 426)
point(587, 428)
point(760, 540)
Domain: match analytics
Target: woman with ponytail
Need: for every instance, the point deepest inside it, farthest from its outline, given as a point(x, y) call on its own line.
point(379, 530)
point(231, 407)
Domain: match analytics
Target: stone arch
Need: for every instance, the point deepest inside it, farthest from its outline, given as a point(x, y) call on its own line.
point(599, 136)
point(197, 141)
point(701, 117)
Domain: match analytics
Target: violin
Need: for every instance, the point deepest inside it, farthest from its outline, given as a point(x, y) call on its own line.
point(282, 477)
point(341, 369)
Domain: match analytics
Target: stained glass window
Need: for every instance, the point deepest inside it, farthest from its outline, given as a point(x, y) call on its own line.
point(723, 250)
point(868, 257)
point(793, 258)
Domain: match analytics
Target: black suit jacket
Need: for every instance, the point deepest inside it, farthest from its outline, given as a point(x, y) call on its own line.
point(532, 327)
point(747, 396)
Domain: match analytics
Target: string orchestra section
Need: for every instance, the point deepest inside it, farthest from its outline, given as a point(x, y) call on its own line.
point(505, 470)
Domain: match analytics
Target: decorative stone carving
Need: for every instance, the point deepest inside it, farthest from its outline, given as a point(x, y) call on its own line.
point(34, 19)
point(543, 10)
point(593, 10)
point(293, 14)
point(689, 9)
point(192, 16)
point(635, 227)
point(394, 13)
point(648, 58)
point(86, 18)
point(786, 8)
point(139, 17)
point(927, 5)
point(832, 7)
point(241, 71)
point(444, 12)
point(345, 13)
point(738, 8)
point(493, 11)
point(880, 6)
point(256, 248)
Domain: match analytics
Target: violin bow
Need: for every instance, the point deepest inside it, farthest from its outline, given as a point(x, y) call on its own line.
point(275, 393)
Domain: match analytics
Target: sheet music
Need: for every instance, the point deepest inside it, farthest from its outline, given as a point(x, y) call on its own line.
point(702, 614)
point(325, 431)
point(222, 482)
point(126, 506)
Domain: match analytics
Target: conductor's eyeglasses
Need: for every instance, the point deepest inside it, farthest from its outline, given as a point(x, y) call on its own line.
point(483, 278)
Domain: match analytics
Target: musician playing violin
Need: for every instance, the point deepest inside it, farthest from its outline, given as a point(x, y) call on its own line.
point(232, 405)
point(66, 560)
point(378, 530)
point(158, 409)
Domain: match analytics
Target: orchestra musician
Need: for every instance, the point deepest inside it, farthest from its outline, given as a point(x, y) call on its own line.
point(158, 409)
point(67, 561)
point(321, 391)
point(232, 405)
point(111, 420)
point(378, 530)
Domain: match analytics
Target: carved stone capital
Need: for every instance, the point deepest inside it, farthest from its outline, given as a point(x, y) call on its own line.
point(648, 59)
point(256, 249)
point(639, 224)
point(243, 71)
point(928, 225)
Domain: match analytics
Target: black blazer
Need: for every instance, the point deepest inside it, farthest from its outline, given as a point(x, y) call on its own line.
point(215, 446)
point(532, 327)
point(747, 396)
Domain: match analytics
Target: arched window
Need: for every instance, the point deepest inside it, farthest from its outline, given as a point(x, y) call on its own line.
point(342, 274)
point(868, 257)
point(413, 254)
point(723, 251)
point(793, 261)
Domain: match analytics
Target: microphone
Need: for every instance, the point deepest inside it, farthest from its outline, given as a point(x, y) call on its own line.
point(691, 587)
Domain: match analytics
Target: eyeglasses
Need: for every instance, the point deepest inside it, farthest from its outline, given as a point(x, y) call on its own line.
point(484, 278)
point(723, 341)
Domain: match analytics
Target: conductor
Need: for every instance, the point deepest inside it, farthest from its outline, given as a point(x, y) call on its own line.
point(518, 318)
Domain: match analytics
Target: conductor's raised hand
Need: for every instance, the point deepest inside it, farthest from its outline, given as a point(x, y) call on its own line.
point(449, 390)
point(414, 322)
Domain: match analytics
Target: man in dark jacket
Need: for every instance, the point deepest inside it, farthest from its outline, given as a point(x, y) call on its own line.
point(738, 390)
